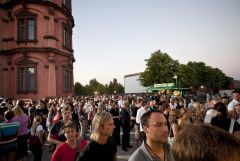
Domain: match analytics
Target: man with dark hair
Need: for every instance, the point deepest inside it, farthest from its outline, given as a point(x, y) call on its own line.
point(235, 100)
point(156, 146)
point(203, 143)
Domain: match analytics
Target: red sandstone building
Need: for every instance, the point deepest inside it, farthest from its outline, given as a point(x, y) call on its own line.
point(36, 55)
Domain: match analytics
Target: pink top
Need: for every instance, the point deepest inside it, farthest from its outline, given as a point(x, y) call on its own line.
point(23, 120)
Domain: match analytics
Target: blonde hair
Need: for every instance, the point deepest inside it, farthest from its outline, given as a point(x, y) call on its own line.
point(98, 122)
point(36, 121)
point(173, 115)
point(18, 111)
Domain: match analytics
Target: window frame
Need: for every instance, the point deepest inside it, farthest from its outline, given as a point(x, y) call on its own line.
point(26, 66)
point(67, 86)
point(66, 36)
point(67, 4)
point(26, 16)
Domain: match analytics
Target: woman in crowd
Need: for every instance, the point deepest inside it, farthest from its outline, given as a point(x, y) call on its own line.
point(23, 136)
point(102, 145)
point(173, 122)
point(37, 130)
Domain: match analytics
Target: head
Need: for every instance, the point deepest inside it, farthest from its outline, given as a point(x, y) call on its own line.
point(237, 109)
point(21, 103)
point(225, 100)
point(173, 115)
point(185, 113)
point(36, 121)
point(8, 115)
point(221, 107)
point(236, 95)
point(66, 113)
point(155, 126)
point(204, 143)
point(102, 125)
point(70, 130)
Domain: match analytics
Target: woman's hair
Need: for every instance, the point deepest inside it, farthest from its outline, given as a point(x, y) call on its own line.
point(66, 108)
point(221, 107)
point(173, 116)
point(36, 121)
point(18, 111)
point(205, 143)
point(98, 122)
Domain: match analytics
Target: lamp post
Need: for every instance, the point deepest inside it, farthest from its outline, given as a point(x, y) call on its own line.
point(175, 77)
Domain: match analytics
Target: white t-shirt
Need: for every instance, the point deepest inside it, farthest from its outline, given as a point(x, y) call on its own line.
point(39, 128)
point(232, 104)
point(140, 112)
point(209, 115)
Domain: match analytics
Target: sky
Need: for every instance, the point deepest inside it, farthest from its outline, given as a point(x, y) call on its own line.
point(112, 38)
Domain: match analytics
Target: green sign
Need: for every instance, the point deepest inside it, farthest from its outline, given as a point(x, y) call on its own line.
point(163, 85)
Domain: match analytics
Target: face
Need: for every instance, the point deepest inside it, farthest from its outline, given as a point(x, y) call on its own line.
point(236, 96)
point(225, 101)
point(237, 109)
point(157, 130)
point(67, 115)
point(70, 133)
point(107, 128)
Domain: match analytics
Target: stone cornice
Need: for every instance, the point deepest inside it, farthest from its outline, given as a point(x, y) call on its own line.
point(46, 50)
point(10, 4)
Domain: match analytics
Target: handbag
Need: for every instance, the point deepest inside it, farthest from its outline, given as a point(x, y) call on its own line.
point(34, 140)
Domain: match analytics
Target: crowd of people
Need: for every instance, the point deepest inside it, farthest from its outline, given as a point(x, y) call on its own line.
point(166, 128)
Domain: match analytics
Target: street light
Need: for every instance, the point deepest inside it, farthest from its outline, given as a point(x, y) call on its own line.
point(175, 77)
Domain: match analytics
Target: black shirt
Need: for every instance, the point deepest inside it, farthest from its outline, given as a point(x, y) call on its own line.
point(95, 151)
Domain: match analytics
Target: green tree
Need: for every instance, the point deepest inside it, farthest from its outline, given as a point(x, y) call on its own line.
point(114, 86)
point(79, 89)
point(160, 69)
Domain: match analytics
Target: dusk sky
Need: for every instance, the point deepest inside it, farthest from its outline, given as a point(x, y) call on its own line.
point(112, 38)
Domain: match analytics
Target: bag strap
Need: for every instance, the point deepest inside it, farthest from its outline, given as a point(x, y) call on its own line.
point(78, 149)
point(231, 126)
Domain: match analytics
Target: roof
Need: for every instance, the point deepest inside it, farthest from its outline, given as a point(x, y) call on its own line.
point(130, 75)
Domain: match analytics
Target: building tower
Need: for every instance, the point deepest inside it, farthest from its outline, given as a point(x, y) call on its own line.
point(36, 55)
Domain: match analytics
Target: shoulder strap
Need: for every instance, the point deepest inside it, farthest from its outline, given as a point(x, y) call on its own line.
point(231, 126)
point(78, 149)
point(78, 145)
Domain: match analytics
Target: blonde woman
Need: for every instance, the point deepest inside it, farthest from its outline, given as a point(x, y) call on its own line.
point(37, 130)
point(101, 146)
point(22, 140)
point(185, 119)
point(173, 124)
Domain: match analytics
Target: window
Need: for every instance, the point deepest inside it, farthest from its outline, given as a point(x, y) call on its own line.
point(27, 77)
point(66, 4)
point(26, 26)
point(67, 37)
point(67, 79)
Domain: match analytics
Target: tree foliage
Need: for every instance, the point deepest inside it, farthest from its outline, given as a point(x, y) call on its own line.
point(161, 68)
point(94, 86)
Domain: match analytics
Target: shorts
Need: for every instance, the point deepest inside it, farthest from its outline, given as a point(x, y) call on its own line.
point(7, 148)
